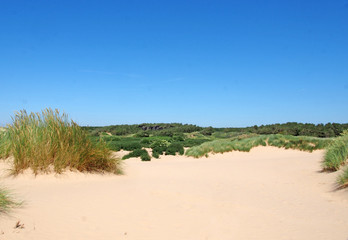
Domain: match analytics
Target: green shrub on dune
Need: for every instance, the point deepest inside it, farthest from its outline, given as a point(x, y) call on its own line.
point(41, 141)
point(142, 153)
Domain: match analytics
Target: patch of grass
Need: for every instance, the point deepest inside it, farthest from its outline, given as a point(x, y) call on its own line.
point(336, 154)
point(245, 143)
point(6, 201)
point(343, 178)
point(40, 141)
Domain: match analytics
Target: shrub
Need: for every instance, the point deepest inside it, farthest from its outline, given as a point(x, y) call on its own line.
point(174, 148)
point(155, 154)
point(145, 141)
point(142, 134)
point(145, 157)
point(39, 141)
point(159, 146)
point(142, 153)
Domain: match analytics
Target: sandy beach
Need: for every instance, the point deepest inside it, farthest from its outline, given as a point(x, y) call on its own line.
point(268, 193)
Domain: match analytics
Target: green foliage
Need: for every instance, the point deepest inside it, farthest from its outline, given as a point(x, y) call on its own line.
point(207, 131)
point(155, 154)
point(142, 153)
point(174, 148)
point(336, 154)
point(344, 133)
point(159, 129)
point(292, 128)
point(190, 142)
point(243, 143)
point(125, 145)
point(39, 141)
point(6, 201)
point(143, 134)
point(159, 146)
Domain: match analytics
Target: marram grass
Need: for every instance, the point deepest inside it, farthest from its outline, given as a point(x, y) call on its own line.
point(343, 178)
point(336, 154)
point(245, 144)
point(6, 201)
point(49, 140)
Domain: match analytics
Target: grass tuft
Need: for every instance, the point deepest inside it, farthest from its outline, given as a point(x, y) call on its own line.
point(7, 202)
point(343, 178)
point(46, 140)
point(336, 154)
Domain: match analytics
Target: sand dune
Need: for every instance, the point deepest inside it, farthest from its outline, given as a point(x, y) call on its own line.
point(269, 193)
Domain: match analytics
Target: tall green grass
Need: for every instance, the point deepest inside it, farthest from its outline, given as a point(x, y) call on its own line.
point(246, 143)
point(343, 178)
point(6, 201)
point(49, 140)
point(336, 154)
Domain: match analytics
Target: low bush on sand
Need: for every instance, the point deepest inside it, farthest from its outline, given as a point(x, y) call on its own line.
point(174, 148)
point(142, 153)
point(49, 140)
point(245, 144)
point(6, 201)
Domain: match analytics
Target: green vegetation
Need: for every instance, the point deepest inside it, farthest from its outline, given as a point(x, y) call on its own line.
point(142, 153)
point(146, 129)
point(131, 137)
point(293, 128)
point(174, 148)
point(6, 201)
point(245, 143)
point(343, 178)
point(172, 129)
point(336, 155)
point(41, 141)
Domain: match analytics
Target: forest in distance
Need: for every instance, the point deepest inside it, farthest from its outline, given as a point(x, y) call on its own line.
point(171, 129)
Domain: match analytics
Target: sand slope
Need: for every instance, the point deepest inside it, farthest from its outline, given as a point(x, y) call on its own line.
point(269, 193)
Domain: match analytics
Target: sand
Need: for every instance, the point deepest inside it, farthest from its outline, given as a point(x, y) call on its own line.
point(269, 193)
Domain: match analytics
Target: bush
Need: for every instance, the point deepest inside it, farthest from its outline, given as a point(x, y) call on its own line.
point(125, 145)
point(159, 146)
point(39, 141)
point(142, 134)
point(142, 153)
point(174, 148)
point(155, 154)
point(145, 157)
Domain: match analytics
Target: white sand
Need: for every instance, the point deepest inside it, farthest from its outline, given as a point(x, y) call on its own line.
point(268, 193)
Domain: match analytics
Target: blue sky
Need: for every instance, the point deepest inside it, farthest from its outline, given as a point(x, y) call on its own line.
point(210, 63)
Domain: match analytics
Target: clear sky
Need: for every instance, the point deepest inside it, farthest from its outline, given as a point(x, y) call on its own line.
point(218, 63)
